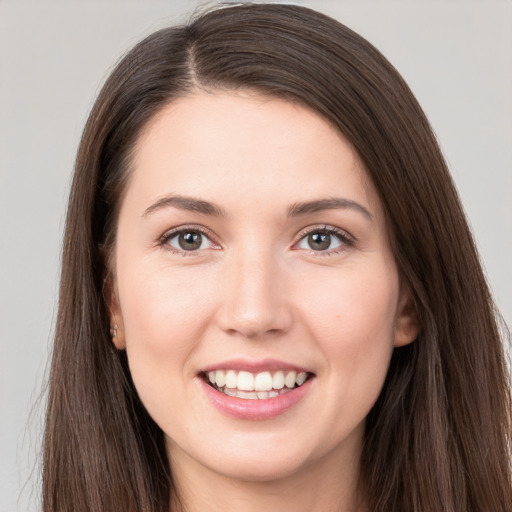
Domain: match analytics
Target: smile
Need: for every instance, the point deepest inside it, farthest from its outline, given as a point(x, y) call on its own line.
point(255, 386)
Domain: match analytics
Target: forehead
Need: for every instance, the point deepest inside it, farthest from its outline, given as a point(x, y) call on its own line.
point(213, 144)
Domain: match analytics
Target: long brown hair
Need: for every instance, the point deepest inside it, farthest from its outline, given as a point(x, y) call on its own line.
point(438, 438)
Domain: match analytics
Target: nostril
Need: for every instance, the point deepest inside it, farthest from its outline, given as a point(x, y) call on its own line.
point(253, 308)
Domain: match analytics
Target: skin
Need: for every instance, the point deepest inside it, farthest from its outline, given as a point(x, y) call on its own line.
point(255, 290)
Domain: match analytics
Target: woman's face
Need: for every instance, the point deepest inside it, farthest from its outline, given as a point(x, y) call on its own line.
point(252, 256)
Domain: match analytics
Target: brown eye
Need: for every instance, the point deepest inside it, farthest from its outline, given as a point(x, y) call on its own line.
point(319, 241)
point(324, 240)
point(188, 240)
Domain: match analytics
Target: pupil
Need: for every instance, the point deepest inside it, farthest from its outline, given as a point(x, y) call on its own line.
point(319, 241)
point(190, 240)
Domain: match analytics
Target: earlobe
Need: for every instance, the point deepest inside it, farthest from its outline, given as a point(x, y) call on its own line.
point(117, 335)
point(114, 310)
point(407, 325)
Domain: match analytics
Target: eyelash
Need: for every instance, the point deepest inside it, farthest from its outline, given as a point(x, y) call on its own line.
point(345, 238)
point(169, 235)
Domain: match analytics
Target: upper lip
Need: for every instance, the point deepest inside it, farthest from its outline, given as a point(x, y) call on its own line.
point(254, 366)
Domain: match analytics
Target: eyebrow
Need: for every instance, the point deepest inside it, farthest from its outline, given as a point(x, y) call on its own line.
point(201, 206)
point(190, 204)
point(334, 203)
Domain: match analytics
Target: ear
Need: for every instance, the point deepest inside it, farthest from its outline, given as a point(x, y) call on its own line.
point(116, 318)
point(407, 325)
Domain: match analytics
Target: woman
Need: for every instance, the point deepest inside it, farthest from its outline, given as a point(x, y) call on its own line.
point(270, 298)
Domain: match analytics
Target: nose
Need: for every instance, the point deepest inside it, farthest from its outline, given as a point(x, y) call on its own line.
point(254, 301)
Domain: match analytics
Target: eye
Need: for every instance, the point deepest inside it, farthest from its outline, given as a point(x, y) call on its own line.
point(188, 240)
point(326, 240)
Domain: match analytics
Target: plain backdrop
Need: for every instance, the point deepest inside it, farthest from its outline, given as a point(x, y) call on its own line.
point(455, 54)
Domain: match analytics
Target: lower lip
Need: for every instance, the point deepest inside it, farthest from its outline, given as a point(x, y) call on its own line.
point(261, 409)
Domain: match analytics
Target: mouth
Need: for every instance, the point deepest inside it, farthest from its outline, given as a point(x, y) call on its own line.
point(255, 386)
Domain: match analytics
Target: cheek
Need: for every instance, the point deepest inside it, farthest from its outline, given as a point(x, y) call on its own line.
point(163, 309)
point(163, 316)
point(164, 319)
point(353, 323)
point(358, 304)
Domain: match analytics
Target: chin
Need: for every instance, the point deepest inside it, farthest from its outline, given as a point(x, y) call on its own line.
point(257, 471)
point(261, 462)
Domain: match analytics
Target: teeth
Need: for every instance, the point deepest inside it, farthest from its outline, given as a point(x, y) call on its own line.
point(230, 392)
point(231, 379)
point(289, 380)
point(245, 381)
point(263, 384)
point(278, 380)
point(253, 395)
point(301, 378)
point(220, 378)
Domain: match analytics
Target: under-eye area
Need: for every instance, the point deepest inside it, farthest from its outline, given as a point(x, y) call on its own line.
point(254, 386)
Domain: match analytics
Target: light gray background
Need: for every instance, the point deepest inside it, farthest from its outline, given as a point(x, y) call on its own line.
point(456, 55)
